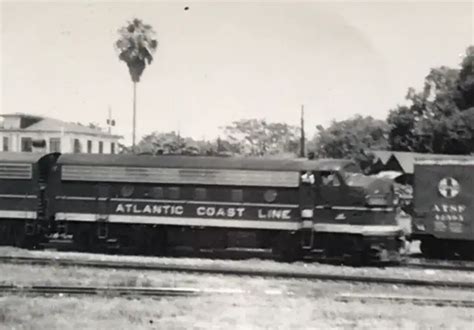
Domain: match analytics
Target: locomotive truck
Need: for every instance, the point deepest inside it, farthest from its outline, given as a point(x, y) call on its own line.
point(157, 204)
point(444, 206)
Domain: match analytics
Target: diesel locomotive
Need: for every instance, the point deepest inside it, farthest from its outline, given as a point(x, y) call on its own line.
point(158, 204)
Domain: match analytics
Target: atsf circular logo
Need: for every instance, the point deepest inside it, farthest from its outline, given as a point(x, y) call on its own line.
point(449, 187)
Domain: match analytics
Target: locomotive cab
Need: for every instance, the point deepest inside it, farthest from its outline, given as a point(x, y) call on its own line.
point(354, 214)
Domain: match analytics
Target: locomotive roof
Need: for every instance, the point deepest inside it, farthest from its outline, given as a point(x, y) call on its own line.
point(20, 157)
point(177, 161)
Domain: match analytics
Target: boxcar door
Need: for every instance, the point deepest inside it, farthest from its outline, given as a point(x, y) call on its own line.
point(103, 197)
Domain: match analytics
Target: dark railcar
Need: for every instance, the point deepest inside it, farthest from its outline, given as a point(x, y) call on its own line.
point(444, 206)
point(165, 202)
point(24, 197)
point(161, 202)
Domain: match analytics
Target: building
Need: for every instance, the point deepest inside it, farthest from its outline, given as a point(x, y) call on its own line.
point(402, 162)
point(27, 133)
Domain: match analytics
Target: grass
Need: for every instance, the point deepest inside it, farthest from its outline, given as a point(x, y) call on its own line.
point(292, 304)
point(223, 312)
point(43, 275)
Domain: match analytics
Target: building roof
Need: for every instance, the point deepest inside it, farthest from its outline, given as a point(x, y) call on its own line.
point(47, 124)
point(178, 161)
point(382, 155)
point(406, 160)
point(20, 157)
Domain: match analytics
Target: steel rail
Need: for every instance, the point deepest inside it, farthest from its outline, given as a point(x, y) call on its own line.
point(416, 300)
point(140, 292)
point(110, 290)
point(439, 264)
point(239, 271)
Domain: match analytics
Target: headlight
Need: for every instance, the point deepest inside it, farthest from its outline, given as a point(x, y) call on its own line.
point(377, 200)
point(307, 213)
point(420, 226)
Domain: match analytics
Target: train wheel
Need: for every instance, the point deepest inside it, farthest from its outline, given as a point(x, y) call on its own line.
point(82, 240)
point(153, 241)
point(20, 239)
point(431, 248)
point(287, 247)
point(467, 251)
point(5, 236)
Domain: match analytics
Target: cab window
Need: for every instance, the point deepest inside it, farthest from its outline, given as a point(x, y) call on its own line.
point(330, 179)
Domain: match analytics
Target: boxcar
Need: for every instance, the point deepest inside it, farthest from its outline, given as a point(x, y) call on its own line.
point(24, 196)
point(444, 206)
point(159, 203)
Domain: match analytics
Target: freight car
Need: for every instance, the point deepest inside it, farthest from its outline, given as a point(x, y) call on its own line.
point(444, 206)
point(156, 204)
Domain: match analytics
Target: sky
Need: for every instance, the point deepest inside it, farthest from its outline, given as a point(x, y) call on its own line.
point(223, 61)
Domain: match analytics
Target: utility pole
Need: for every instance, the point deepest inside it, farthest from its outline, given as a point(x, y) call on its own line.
point(110, 121)
point(302, 141)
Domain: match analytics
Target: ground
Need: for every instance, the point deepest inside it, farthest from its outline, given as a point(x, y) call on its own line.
point(223, 312)
point(261, 303)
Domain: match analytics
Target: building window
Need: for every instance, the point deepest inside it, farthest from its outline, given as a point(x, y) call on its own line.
point(101, 147)
point(127, 190)
point(55, 145)
point(330, 179)
point(237, 195)
point(77, 146)
point(112, 148)
point(200, 194)
point(157, 192)
point(89, 146)
point(6, 143)
point(270, 195)
point(26, 144)
point(173, 192)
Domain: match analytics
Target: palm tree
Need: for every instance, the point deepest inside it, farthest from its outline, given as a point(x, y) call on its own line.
point(136, 46)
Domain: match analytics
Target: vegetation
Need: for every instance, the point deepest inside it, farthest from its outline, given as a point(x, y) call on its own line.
point(257, 137)
point(351, 139)
point(136, 46)
point(438, 119)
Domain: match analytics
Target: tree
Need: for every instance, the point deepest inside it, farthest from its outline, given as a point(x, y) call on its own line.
point(351, 139)
point(402, 133)
point(167, 143)
point(438, 119)
point(136, 46)
point(171, 143)
point(258, 137)
point(466, 80)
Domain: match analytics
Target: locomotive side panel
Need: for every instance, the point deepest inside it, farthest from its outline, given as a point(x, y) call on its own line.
point(213, 206)
point(197, 208)
point(18, 199)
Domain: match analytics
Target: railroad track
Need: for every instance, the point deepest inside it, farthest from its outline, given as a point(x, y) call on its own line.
point(43, 290)
point(439, 264)
point(401, 299)
point(240, 271)
point(143, 292)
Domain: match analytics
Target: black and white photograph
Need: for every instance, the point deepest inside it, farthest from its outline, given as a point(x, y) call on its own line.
point(236, 164)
